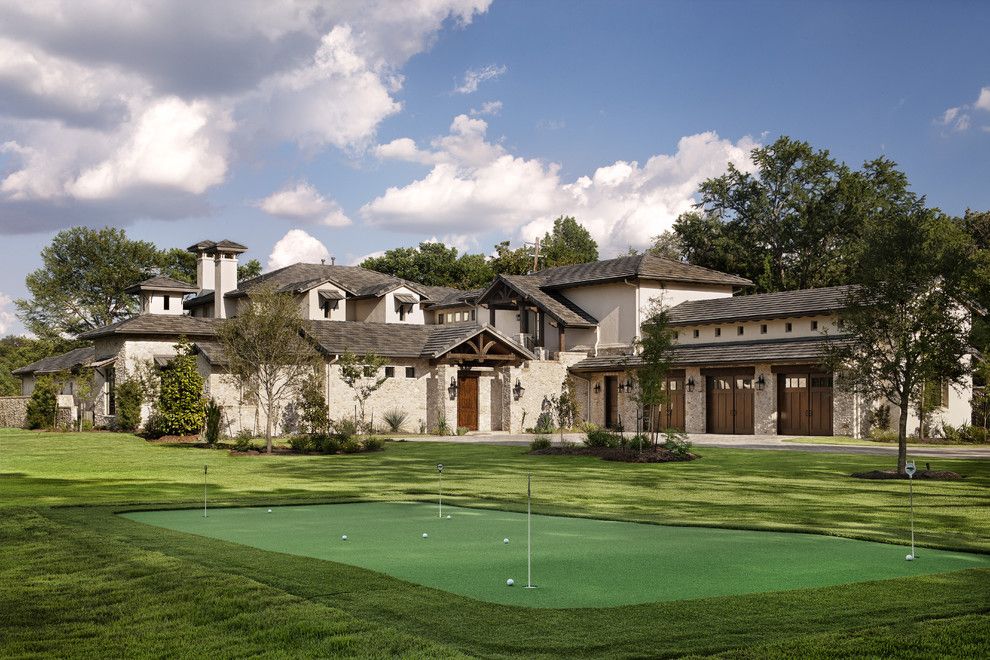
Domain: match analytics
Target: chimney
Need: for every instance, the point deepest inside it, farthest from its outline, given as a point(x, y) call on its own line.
point(226, 281)
point(204, 271)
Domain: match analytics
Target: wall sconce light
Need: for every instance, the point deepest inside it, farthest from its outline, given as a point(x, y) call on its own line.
point(629, 385)
point(598, 388)
point(518, 390)
point(761, 382)
point(690, 384)
point(452, 389)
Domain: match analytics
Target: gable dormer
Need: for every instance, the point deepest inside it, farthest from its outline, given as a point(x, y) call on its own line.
point(161, 295)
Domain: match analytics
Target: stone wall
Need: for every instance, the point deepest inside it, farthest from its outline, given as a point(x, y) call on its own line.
point(694, 402)
point(13, 411)
point(765, 402)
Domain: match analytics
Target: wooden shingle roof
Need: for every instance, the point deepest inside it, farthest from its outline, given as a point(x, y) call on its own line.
point(79, 357)
point(161, 283)
point(646, 266)
point(157, 324)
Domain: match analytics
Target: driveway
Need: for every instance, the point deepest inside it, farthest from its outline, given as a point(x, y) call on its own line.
point(761, 442)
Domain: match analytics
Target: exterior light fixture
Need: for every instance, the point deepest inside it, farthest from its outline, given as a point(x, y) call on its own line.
point(598, 388)
point(518, 390)
point(629, 384)
point(452, 389)
point(690, 384)
point(761, 382)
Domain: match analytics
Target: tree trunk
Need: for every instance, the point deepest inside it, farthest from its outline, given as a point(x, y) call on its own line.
point(902, 434)
point(268, 427)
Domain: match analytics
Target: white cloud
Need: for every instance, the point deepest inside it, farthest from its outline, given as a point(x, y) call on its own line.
point(959, 119)
point(297, 247)
point(304, 202)
point(622, 204)
point(7, 318)
point(474, 77)
point(491, 108)
point(356, 261)
point(125, 109)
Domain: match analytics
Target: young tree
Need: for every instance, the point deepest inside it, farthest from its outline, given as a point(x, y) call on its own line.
point(130, 396)
point(312, 403)
point(904, 325)
point(565, 406)
point(181, 405)
point(668, 245)
point(654, 344)
point(42, 406)
point(81, 284)
point(267, 354)
point(363, 374)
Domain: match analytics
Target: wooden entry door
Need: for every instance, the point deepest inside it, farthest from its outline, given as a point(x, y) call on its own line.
point(729, 404)
point(611, 401)
point(672, 413)
point(467, 401)
point(805, 404)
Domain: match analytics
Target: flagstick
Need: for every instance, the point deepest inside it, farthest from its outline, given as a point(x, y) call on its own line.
point(440, 491)
point(204, 490)
point(529, 532)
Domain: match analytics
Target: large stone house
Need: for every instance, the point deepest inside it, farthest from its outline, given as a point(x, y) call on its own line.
point(491, 359)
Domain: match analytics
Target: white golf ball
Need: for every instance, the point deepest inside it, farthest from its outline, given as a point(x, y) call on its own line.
point(910, 557)
point(506, 541)
point(448, 516)
point(344, 537)
point(510, 582)
point(269, 510)
point(425, 535)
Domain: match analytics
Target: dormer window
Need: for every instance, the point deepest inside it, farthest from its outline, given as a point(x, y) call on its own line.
point(814, 325)
point(696, 334)
point(166, 298)
point(329, 301)
point(440, 318)
point(404, 303)
point(718, 332)
point(740, 330)
point(788, 327)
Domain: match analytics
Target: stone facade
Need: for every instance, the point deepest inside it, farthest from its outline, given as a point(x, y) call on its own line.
point(694, 402)
point(765, 401)
point(13, 411)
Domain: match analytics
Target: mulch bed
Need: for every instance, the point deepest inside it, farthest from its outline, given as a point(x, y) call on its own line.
point(935, 475)
point(624, 455)
point(176, 439)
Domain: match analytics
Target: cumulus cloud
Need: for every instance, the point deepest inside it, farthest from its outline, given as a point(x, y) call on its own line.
point(474, 77)
point(6, 314)
point(128, 109)
point(622, 204)
point(297, 247)
point(304, 203)
point(959, 119)
point(491, 108)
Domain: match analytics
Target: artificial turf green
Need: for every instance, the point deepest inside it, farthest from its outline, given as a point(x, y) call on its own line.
point(579, 562)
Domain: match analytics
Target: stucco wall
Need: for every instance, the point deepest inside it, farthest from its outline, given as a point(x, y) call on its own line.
point(752, 330)
point(311, 309)
point(614, 305)
point(391, 311)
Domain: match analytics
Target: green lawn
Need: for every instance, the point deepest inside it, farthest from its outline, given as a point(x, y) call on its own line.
point(78, 580)
point(913, 445)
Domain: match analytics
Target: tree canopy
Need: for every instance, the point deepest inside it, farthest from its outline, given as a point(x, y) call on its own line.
point(568, 243)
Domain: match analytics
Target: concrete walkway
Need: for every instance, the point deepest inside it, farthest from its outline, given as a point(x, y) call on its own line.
point(761, 442)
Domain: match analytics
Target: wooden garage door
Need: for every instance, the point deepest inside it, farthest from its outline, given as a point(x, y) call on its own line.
point(804, 404)
point(730, 404)
point(467, 402)
point(672, 413)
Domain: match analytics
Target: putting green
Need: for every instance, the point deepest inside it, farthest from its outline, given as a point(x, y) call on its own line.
point(576, 562)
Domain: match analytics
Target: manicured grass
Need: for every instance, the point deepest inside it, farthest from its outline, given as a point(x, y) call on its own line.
point(914, 446)
point(579, 562)
point(79, 580)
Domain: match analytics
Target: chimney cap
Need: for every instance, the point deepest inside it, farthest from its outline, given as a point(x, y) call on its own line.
point(202, 246)
point(225, 245)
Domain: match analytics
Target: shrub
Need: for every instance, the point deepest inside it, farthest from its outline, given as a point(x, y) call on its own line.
point(540, 442)
point(879, 417)
point(373, 443)
point(243, 443)
point(350, 446)
point(883, 435)
point(326, 443)
point(601, 438)
point(639, 441)
point(213, 415)
point(312, 405)
point(86, 425)
point(180, 400)
point(395, 418)
point(345, 428)
point(973, 434)
point(41, 407)
point(130, 396)
point(154, 426)
point(442, 427)
point(544, 423)
point(301, 443)
point(677, 443)
point(462, 430)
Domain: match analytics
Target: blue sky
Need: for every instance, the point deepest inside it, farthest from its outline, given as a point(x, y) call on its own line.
point(307, 130)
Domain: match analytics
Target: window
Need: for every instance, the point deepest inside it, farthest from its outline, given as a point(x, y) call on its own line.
point(402, 312)
point(410, 372)
point(167, 299)
point(740, 330)
point(440, 319)
point(814, 325)
point(326, 309)
point(788, 327)
point(718, 332)
point(676, 335)
point(390, 372)
point(763, 329)
point(697, 333)
point(473, 315)
point(839, 324)
point(111, 391)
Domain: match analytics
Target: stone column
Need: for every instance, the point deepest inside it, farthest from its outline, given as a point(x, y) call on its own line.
point(765, 402)
point(485, 379)
point(694, 402)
